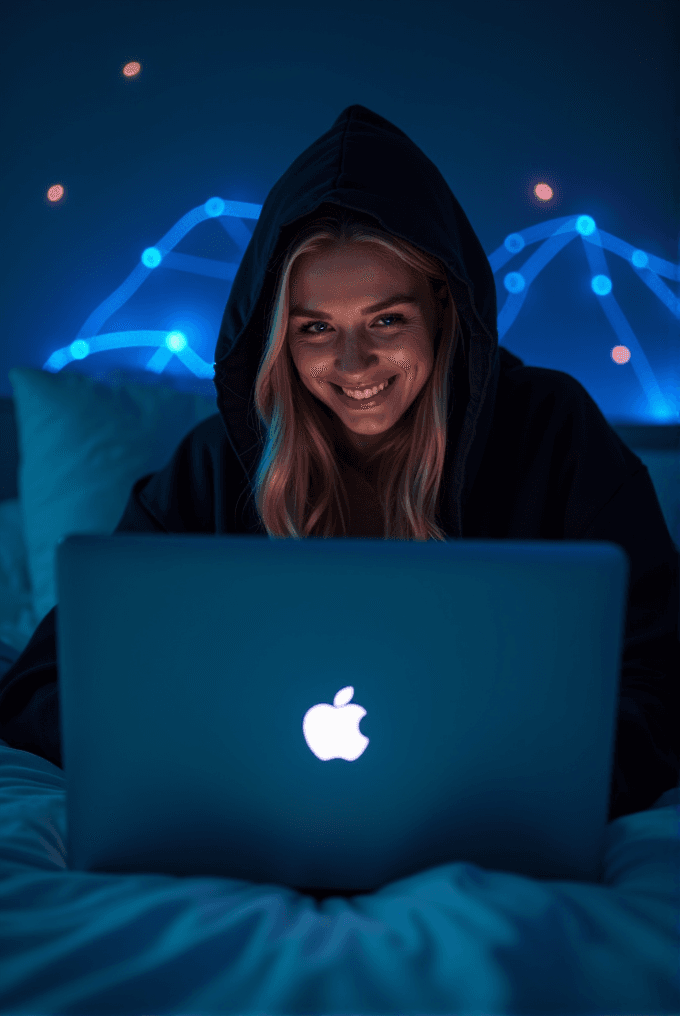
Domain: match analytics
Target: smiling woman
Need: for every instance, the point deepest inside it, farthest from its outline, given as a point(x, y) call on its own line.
point(356, 371)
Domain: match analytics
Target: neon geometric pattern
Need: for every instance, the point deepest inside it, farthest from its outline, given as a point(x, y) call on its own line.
point(552, 235)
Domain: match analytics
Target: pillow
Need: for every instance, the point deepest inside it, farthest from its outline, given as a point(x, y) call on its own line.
point(82, 445)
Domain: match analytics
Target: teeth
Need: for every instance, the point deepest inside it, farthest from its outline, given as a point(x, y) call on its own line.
point(367, 393)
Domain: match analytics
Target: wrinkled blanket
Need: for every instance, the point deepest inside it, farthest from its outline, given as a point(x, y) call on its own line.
point(453, 939)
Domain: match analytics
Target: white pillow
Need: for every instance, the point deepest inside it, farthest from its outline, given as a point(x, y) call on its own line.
point(82, 445)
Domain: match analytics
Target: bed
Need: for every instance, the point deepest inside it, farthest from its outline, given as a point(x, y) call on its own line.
point(452, 939)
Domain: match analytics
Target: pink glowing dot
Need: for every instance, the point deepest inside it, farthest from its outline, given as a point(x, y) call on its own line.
point(543, 192)
point(132, 69)
point(620, 354)
point(55, 193)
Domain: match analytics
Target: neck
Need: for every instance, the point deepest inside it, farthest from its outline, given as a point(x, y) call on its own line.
point(357, 453)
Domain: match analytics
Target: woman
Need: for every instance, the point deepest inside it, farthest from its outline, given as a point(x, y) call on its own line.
point(363, 269)
point(380, 306)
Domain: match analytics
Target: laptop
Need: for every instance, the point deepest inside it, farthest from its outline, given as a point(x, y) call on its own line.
point(335, 714)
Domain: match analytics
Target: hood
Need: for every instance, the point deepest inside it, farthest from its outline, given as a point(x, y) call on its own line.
point(365, 163)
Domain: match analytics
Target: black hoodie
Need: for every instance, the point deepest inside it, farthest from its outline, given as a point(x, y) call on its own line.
point(529, 455)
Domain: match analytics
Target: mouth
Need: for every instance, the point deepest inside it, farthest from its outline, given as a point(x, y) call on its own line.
point(371, 400)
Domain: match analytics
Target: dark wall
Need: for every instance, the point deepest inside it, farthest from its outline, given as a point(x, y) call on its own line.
point(502, 95)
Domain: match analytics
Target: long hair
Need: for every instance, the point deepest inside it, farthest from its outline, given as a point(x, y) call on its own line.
point(298, 488)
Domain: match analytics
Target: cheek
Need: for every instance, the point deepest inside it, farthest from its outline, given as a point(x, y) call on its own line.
point(312, 368)
point(415, 356)
point(302, 363)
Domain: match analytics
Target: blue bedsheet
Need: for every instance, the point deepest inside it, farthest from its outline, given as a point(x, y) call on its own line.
point(453, 939)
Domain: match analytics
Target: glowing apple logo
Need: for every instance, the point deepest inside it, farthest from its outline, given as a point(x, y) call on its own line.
point(333, 731)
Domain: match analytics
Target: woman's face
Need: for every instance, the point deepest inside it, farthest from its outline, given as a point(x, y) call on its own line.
point(356, 320)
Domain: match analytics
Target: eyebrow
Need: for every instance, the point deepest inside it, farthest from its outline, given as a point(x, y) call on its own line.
point(392, 302)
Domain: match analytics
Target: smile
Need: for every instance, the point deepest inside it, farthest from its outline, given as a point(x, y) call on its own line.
point(369, 396)
point(357, 393)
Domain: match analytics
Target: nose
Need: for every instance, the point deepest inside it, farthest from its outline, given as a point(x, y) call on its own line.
point(355, 356)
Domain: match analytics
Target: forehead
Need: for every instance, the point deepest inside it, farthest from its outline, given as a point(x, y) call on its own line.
point(350, 262)
point(368, 278)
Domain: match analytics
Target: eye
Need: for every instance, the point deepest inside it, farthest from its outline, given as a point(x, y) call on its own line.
point(306, 328)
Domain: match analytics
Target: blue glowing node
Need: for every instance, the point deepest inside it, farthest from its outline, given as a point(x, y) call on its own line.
point(585, 225)
point(79, 349)
point(601, 285)
point(514, 282)
point(514, 242)
point(639, 259)
point(214, 207)
point(151, 257)
point(175, 341)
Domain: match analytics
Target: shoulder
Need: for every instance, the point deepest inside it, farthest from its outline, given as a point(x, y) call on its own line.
point(210, 431)
point(198, 489)
point(552, 405)
point(535, 382)
point(207, 445)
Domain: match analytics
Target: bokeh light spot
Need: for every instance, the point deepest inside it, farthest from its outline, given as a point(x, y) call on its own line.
point(543, 192)
point(132, 69)
point(620, 354)
point(55, 192)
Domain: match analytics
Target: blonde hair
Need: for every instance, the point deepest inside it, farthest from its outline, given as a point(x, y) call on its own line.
point(298, 487)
